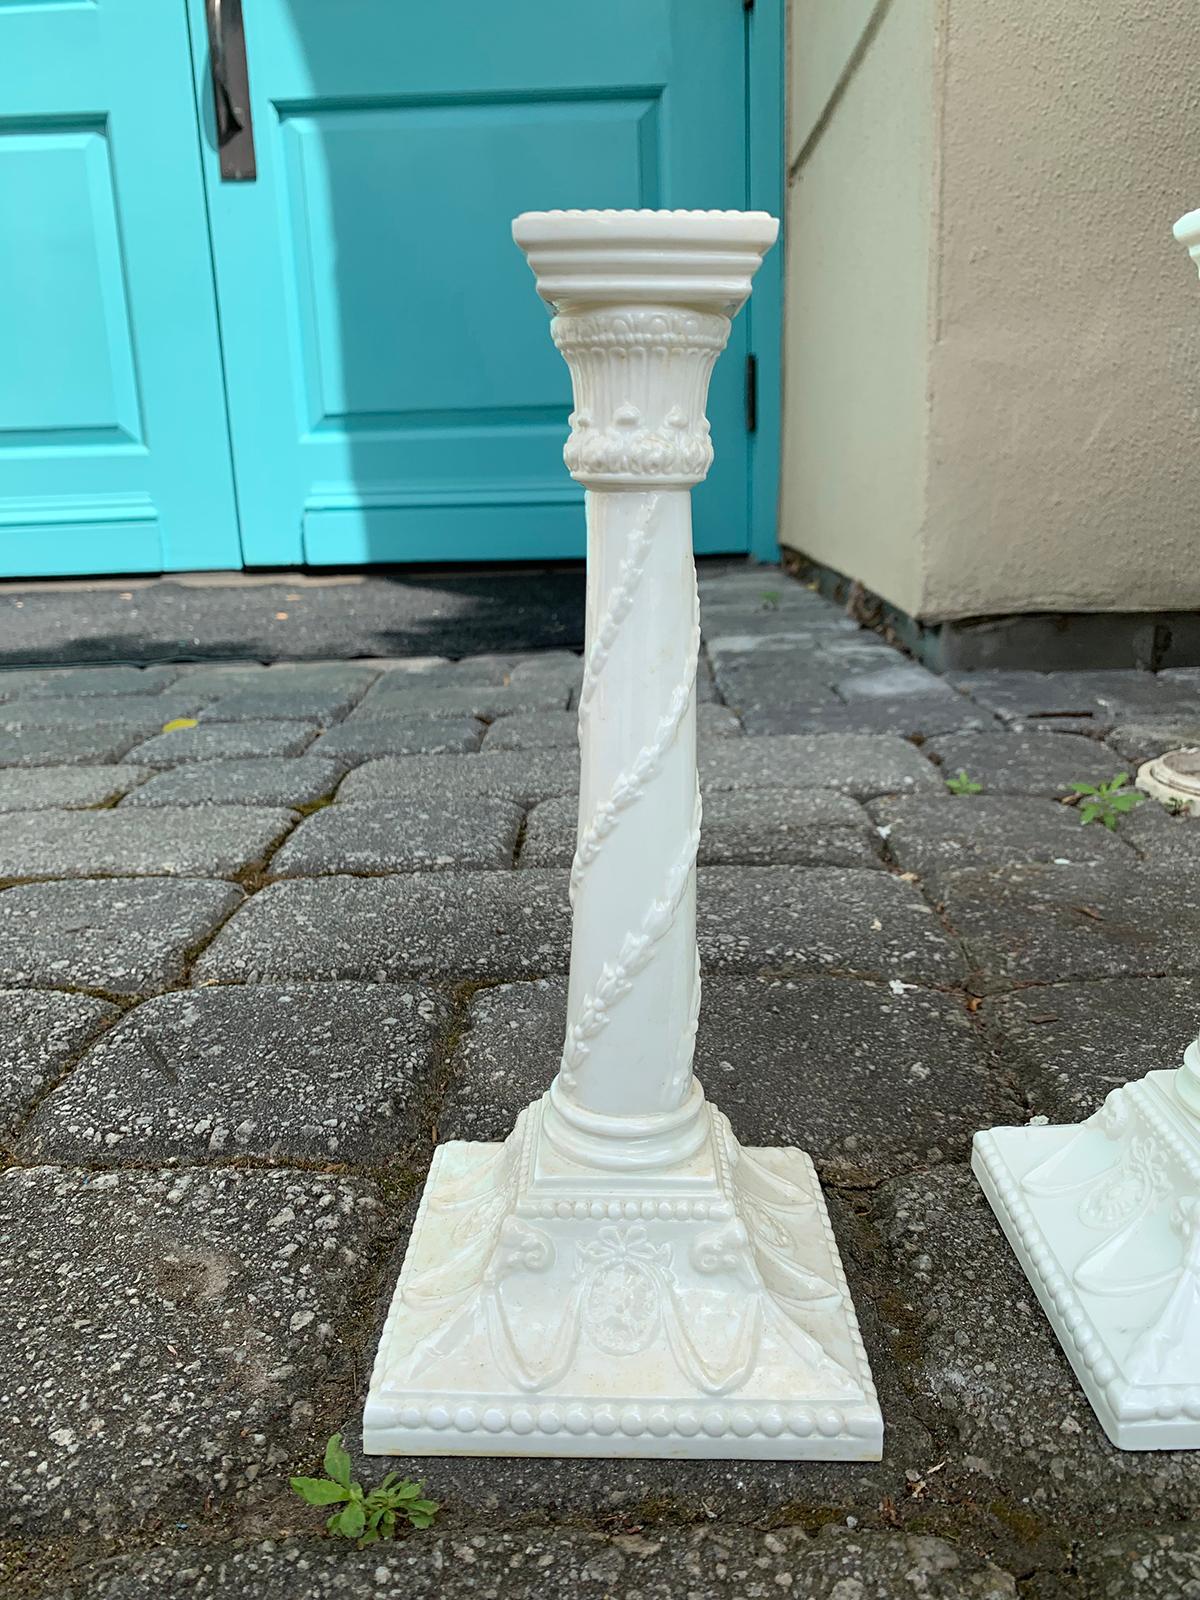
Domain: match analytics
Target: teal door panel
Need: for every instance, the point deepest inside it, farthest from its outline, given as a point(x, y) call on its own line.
point(114, 453)
point(393, 391)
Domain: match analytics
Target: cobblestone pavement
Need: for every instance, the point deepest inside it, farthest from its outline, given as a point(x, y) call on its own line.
point(254, 967)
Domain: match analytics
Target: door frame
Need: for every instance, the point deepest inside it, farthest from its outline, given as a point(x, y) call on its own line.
point(766, 60)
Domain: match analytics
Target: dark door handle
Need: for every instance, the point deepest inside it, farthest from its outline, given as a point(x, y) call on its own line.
point(231, 89)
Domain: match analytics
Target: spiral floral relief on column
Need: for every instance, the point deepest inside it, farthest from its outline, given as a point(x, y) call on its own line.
point(630, 784)
point(639, 944)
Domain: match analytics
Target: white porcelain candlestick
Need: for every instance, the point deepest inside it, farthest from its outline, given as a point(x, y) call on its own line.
point(1105, 1220)
point(620, 1277)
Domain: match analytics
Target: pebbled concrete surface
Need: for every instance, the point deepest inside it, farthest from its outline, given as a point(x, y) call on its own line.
point(170, 1337)
point(218, 841)
point(306, 1072)
point(126, 936)
point(220, 1084)
point(726, 1564)
point(42, 1034)
point(405, 833)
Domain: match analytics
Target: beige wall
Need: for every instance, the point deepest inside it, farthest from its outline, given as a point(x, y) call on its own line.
point(992, 373)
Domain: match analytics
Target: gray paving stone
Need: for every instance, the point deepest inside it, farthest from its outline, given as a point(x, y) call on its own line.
point(262, 781)
point(1160, 837)
point(559, 670)
point(522, 776)
point(172, 1337)
point(1031, 763)
point(386, 663)
point(328, 677)
point(909, 716)
point(170, 841)
point(784, 628)
point(932, 835)
point(783, 658)
point(61, 682)
point(534, 730)
point(706, 685)
point(275, 701)
point(440, 673)
point(861, 765)
point(505, 1057)
point(889, 682)
point(143, 713)
point(1141, 1565)
point(40, 1035)
point(56, 747)
point(220, 741)
point(217, 678)
point(1138, 739)
point(446, 925)
point(55, 788)
point(412, 696)
point(858, 648)
point(869, 1082)
point(1070, 1044)
point(789, 921)
point(1103, 697)
point(756, 683)
point(800, 635)
point(121, 935)
point(1048, 924)
point(717, 722)
point(307, 1072)
point(659, 1562)
point(1097, 729)
point(541, 665)
point(719, 579)
point(726, 619)
point(410, 832)
point(981, 1357)
point(757, 827)
point(399, 736)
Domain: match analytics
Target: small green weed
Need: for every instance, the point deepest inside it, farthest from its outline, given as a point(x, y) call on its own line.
point(1106, 802)
point(962, 784)
point(365, 1517)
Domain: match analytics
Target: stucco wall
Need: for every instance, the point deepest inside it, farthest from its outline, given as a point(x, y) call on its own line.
point(860, 202)
point(1013, 422)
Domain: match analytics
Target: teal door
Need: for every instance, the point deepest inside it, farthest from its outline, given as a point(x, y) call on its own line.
point(393, 391)
point(114, 449)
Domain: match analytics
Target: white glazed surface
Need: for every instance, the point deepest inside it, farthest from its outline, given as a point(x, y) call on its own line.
point(620, 1277)
point(1105, 1221)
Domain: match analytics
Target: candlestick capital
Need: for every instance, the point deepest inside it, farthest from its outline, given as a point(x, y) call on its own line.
point(705, 260)
point(643, 303)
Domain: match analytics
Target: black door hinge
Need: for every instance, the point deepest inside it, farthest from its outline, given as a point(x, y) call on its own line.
point(747, 5)
point(751, 393)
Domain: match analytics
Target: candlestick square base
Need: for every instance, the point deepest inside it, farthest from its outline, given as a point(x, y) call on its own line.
point(545, 1310)
point(1105, 1221)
